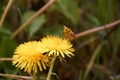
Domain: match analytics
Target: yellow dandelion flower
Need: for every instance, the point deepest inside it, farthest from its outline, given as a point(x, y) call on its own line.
point(55, 45)
point(28, 57)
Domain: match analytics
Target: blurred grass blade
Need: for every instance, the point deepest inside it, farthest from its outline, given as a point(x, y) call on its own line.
point(116, 40)
point(93, 19)
point(89, 66)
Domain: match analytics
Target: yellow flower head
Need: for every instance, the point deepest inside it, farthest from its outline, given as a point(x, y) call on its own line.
point(55, 45)
point(28, 56)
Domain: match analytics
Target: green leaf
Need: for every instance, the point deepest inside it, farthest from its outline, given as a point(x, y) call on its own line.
point(53, 30)
point(35, 25)
point(27, 15)
point(7, 47)
point(5, 31)
point(69, 9)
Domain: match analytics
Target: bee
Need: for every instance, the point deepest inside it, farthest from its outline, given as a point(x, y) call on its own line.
point(68, 33)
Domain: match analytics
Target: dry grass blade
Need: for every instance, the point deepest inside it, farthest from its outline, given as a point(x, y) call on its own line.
point(5, 12)
point(5, 59)
point(97, 29)
point(40, 11)
point(16, 76)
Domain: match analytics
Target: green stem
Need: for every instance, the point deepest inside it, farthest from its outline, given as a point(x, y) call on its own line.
point(51, 68)
point(34, 76)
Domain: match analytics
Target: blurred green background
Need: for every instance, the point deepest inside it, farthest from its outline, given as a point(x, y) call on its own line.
point(78, 15)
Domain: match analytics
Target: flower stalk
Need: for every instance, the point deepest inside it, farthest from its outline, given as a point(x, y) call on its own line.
point(34, 76)
point(51, 68)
